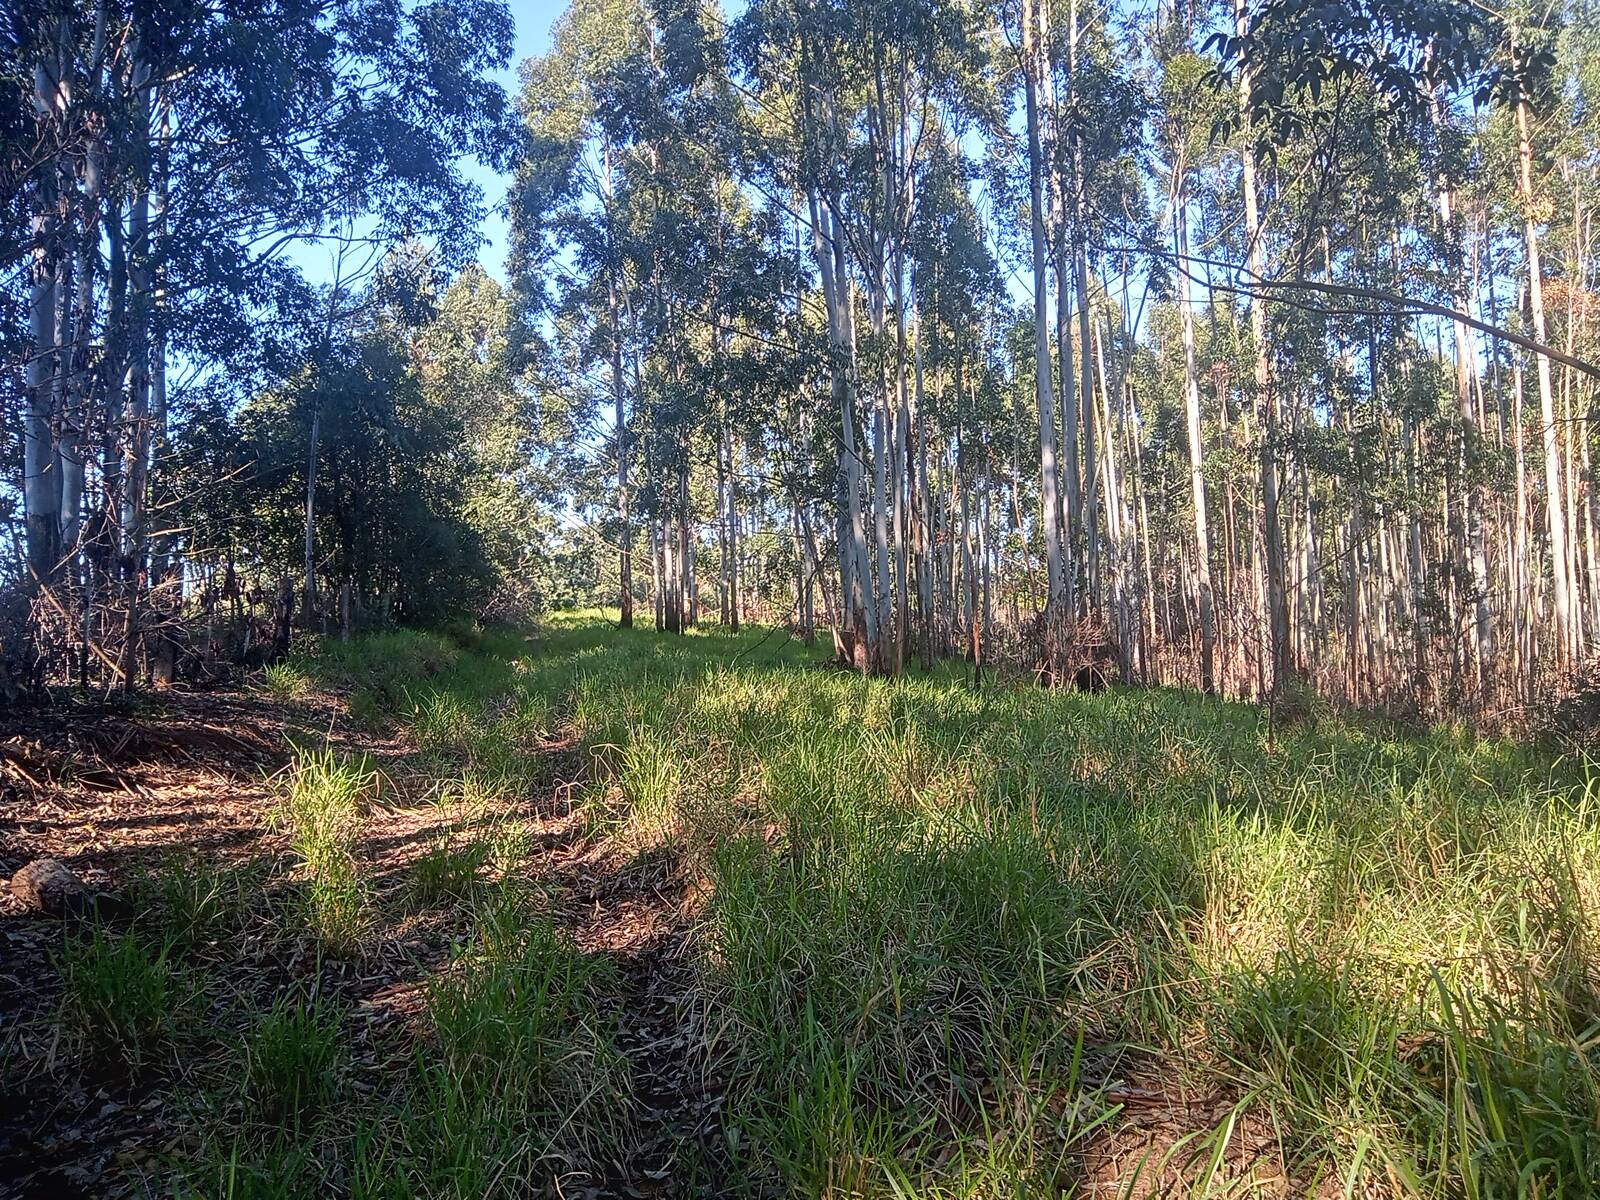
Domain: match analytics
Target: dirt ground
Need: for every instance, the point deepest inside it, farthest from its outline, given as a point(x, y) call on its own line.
point(115, 791)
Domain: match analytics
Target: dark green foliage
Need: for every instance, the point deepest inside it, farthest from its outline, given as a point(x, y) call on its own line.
point(448, 873)
point(292, 1062)
point(190, 903)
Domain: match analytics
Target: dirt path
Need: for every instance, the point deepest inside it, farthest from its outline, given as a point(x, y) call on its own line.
point(638, 914)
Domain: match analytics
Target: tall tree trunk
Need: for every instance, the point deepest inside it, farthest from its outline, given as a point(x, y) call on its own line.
point(624, 526)
point(730, 562)
point(73, 448)
point(884, 590)
point(1272, 530)
point(1034, 65)
point(924, 498)
point(1568, 640)
point(137, 453)
point(902, 473)
point(1197, 478)
point(854, 639)
point(1092, 517)
point(41, 488)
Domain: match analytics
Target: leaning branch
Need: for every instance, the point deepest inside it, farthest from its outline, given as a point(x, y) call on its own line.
point(1396, 305)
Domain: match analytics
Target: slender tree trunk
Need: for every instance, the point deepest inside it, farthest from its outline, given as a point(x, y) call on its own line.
point(41, 488)
point(624, 526)
point(730, 580)
point(1568, 640)
point(73, 449)
point(1272, 529)
point(902, 474)
point(1197, 477)
point(1033, 68)
point(137, 452)
point(924, 515)
point(883, 599)
point(855, 639)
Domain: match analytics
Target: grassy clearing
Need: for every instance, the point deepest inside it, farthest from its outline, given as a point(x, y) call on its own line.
point(928, 900)
point(940, 932)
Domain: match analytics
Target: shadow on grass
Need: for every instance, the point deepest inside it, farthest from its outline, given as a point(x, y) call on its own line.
point(924, 898)
point(918, 939)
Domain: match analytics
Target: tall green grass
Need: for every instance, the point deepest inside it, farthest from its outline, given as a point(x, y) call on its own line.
point(940, 929)
point(322, 807)
point(926, 898)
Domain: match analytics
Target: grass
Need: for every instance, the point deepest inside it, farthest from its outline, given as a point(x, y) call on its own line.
point(292, 1064)
point(926, 898)
point(321, 811)
point(448, 873)
point(520, 1044)
point(190, 903)
point(119, 996)
point(513, 1084)
point(940, 931)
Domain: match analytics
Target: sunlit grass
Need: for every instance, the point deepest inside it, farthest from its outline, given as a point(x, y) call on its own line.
point(323, 803)
point(934, 927)
point(923, 895)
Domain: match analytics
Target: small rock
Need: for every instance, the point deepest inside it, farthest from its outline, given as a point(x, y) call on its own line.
point(46, 886)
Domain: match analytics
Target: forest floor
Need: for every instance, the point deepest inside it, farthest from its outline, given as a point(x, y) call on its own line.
point(604, 913)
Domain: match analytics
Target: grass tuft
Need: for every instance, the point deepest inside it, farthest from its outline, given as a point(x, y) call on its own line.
point(321, 811)
point(293, 1062)
point(191, 902)
point(120, 995)
point(448, 873)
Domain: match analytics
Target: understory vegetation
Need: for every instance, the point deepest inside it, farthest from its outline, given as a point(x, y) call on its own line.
point(1102, 482)
point(938, 940)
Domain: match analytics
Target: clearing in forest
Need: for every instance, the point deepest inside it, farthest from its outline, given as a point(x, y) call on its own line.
point(613, 913)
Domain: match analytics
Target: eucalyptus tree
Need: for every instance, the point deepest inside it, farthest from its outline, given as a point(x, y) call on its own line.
point(565, 207)
point(187, 150)
point(862, 87)
point(955, 284)
point(1034, 64)
point(1182, 129)
point(1319, 395)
